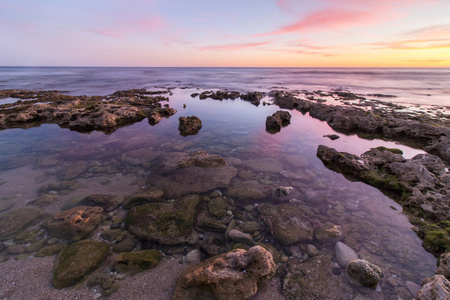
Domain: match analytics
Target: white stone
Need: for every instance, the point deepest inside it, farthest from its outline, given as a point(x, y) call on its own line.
point(344, 254)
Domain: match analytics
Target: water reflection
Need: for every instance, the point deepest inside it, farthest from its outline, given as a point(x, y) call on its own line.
point(121, 163)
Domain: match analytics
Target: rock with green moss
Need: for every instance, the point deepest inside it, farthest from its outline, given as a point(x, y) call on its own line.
point(143, 197)
point(364, 272)
point(166, 223)
point(50, 250)
point(135, 262)
point(76, 261)
point(106, 282)
point(12, 222)
point(437, 237)
point(287, 223)
point(218, 207)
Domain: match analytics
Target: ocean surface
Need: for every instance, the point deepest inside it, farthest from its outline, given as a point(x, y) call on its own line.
point(35, 159)
point(412, 86)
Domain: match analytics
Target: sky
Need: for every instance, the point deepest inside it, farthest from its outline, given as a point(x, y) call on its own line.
point(225, 33)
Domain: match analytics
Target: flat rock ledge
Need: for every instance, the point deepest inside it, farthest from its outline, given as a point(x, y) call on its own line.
point(234, 275)
point(81, 113)
point(421, 185)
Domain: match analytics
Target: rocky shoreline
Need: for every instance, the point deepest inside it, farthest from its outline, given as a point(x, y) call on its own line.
point(248, 233)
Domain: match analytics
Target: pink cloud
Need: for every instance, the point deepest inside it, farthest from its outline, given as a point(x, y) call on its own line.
point(233, 46)
point(334, 18)
point(125, 28)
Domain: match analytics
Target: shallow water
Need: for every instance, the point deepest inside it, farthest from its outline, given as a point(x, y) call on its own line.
point(373, 224)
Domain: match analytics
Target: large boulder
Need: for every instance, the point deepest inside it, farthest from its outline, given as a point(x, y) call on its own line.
point(189, 125)
point(277, 120)
point(76, 223)
point(165, 223)
point(444, 265)
point(234, 275)
point(434, 288)
point(76, 261)
point(134, 262)
point(12, 222)
point(287, 223)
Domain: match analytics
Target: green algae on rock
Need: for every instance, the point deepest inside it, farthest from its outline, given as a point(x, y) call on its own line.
point(135, 262)
point(166, 223)
point(12, 222)
point(76, 261)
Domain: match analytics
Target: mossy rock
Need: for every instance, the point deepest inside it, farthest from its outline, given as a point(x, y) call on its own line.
point(435, 236)
point(76, 261)
point(135, 262)
point(168, 224)
point(14, 221)
point(50, 250)
point(218, 207)
point(393, 150)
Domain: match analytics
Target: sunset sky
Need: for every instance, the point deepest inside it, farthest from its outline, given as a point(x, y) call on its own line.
point(225, 33)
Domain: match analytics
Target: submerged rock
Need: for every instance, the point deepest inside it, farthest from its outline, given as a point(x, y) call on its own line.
point(344, 254)
point(365, 273)
point(287, 223)
point(168, 224)
point(178, 174)
point(76, 261)
point(189, 125)
point(135, 262)
point(329, 234)
point(76, 223)
point(233, 275)
point(14, 221)
point(105, 201)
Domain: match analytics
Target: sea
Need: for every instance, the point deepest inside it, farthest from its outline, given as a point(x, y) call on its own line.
point(122, 162)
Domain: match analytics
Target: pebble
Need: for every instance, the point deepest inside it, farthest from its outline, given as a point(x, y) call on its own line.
point(344, 254)
point(193, 256)
point(392, 282)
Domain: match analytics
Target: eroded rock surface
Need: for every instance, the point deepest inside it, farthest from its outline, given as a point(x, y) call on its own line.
point(12, 222)
point(233, 275)
point(189, 125)
point(76, 223)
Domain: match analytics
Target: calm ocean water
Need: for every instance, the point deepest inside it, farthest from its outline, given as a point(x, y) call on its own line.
point(415, 86)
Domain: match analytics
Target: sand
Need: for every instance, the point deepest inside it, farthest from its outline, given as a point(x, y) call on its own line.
point(31, 279)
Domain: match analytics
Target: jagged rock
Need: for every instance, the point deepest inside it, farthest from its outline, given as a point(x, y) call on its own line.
point(189, 125)
point(135, 262)
point(157, 115)
point(76, 223)
point(344, 254)
point(434, 288)
point(166, 223)
point(287, 223)
point(365, 273)
point(233, 275)
point(14, 221)
point(107, 202)
point(253, 97)
point(314, 279)
point(76, 261)
point(444, 265)
point(277, 120)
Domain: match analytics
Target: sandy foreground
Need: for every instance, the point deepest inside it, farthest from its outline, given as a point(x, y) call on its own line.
point(31, 279)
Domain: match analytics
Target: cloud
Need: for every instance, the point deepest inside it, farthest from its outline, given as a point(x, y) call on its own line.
point(125, 28)
point(332, 18)
point(232, 47)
